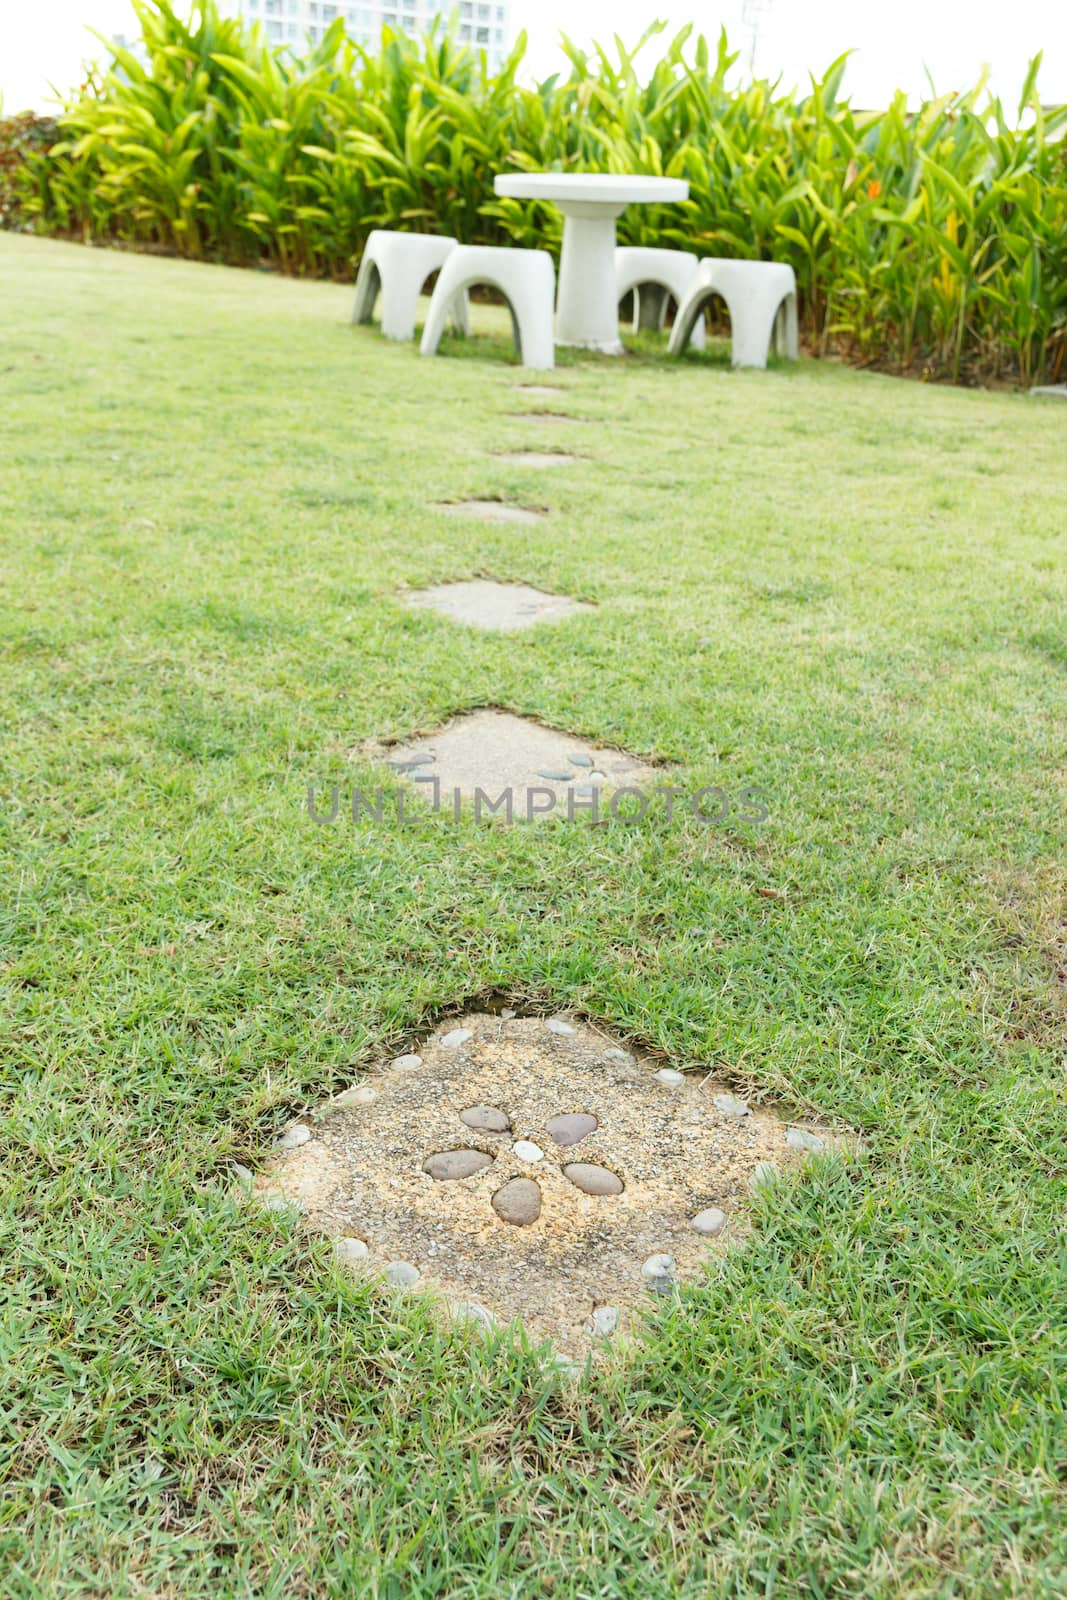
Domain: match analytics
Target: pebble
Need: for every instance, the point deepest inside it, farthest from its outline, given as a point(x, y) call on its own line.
point(591, 1179)
point(448, 1165)
point(295, 1136)
point(709, 1222)
point(599, 777)
point(242, 1174)
point(669, 1075)
point(469, 1311)
point(765, 1173)
point(615, 1054)
point(401, 1274)
point(557, 1025)
point(801, 1139)
point(519, 1201)
point(731, 1106)
point(456, 1037)
point(486, 1119)
point(604, 1322)
point(658, 1273)
point(282, 1205)
point(581, 761)
point(507, 1014)
point(571, 1126)
point(364, 1095)
point(405, 1063)
point(349, 1251)
point(557, 777)
point(526, 1150)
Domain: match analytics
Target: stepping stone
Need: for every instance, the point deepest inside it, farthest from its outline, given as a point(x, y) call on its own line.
point(709, 1222)
point(496, 751)
point(458, 1036)
point(540, 388)
point(1050, 391)
point(540, 460)
point(571, 1126)
point(591, 1179)
point(449, 1165)
point(526, 1150)
point(495, 607)
point(518, 1202)
point(490, 511)
point(486, 1119)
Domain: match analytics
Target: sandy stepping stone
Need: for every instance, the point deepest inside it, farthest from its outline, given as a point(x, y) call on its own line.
point(540, 460)
point(540, 388)
point(631, 1194)
point(500, 607)
point(502, 756)
point(490, 511)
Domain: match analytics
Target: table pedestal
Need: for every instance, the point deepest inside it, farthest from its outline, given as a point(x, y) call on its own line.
point(586, 310)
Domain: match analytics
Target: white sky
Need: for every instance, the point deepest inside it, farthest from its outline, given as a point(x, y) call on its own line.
point(44, 42)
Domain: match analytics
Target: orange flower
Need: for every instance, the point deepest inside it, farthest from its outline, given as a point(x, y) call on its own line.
point(874, 189)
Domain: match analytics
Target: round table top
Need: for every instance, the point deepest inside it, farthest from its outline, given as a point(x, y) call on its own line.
point(591, 188)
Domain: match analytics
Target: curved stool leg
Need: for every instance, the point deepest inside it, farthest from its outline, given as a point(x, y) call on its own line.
point(400, 298)
point(446, 291)
point(689, 312)
point(786, 332)
point(461, 313)
point(532, 310)
point(368, 284)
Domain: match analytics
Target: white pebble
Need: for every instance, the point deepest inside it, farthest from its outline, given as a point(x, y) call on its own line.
point(731, 1106)
point(557, 1025)
point(658, 1273)
point(363, 1095)
point(615, 1054)
point(765, 1173)
point(405, 1063)
point(458, 1036)
point(242, 1174)
point(526, 1150)
point(801, 1139)
point(295, 1136)
point(470, 1312)
point(669, 1075)
point(349, 1251)
point(709, 1222)
point(282, 1205)
point(401, 1274)
point(507, 1014)
point(604, 1321)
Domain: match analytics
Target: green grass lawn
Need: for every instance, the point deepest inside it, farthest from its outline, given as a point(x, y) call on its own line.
point(845, 589)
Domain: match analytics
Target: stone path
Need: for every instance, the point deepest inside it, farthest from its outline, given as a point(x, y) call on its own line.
point(532, 1173)
point(490, 511)
point(484, 603)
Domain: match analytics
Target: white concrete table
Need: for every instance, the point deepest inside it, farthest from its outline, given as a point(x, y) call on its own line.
point(586, 309)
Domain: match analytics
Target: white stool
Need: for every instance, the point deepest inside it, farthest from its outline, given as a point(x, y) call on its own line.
point(652, 276)
point(398, 265)
point(761, 297)
point(526, 279)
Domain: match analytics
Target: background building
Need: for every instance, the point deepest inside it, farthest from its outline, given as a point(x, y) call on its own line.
point(482, 23)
